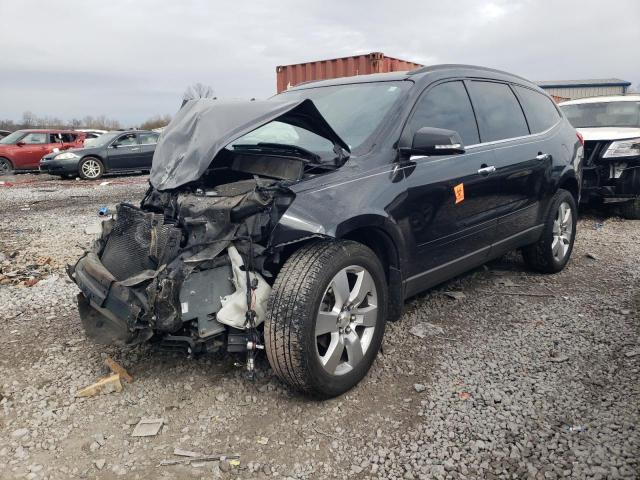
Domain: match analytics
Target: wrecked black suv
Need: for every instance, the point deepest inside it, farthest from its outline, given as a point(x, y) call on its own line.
point(301, 223)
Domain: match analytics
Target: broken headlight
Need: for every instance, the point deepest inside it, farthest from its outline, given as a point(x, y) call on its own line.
point(623, 148)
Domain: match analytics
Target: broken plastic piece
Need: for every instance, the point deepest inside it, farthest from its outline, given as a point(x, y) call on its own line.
point(148, 427)
point(234, 306)
point(104, 385)
point(115, 367)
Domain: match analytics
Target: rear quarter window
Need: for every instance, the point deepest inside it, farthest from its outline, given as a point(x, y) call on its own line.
point(539, 109)
point(498, 112)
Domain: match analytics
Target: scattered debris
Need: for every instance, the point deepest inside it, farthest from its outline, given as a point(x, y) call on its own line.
point(464, 395)
point(455, 295)
point(186, 453)
point(577, 428)
point(506, 282)
point(104, 385)
point(115, 367)
point(148, 427)
point(557, 357)
point(419, 387)
point(598, 226)
point(592, 256)
point(100, 463)
point(625, 311)
point(103, 211)
point(525, 294)
point(425, 329)
point(634, 352)
point(197, 457)
point(102, 184)
point(262, 440)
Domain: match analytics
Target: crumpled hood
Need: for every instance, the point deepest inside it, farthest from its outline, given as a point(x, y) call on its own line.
point(202, 128)
point(609, 133)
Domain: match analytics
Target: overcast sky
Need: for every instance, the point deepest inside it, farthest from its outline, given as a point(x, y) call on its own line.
point(133, 59)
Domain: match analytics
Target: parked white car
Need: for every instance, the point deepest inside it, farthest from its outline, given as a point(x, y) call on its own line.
point(610, 127)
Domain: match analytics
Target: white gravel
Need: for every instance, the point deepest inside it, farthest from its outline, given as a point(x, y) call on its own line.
point(485, 386)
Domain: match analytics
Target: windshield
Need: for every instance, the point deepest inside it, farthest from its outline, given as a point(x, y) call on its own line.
point(353, 111)
point(102, 140)
point(13, 137)
point(603, 114)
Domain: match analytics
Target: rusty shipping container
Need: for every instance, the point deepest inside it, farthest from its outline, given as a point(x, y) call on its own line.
point(375, 62)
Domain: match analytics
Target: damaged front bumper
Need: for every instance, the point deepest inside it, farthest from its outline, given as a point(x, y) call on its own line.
point(179, 274)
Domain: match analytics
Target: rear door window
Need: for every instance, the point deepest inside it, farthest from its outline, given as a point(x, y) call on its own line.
point(539, 109)
point(446, 106)
point(498, 111)
point(148, 138)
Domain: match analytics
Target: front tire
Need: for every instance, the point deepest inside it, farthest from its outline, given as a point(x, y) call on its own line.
point(6, 167)
point(326, 317)
point(631, 210)
point(552, 251)
point(90, 168)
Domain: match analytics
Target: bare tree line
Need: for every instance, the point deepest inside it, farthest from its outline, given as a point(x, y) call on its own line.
point(101, 122)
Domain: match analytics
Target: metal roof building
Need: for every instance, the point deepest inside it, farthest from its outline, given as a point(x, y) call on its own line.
point(572, 89)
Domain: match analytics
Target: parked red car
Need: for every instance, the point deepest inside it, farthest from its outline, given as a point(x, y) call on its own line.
point(23, 149)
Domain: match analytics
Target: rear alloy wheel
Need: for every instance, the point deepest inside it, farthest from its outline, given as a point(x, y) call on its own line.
point(91, 169)
point(6, 168)
point(326, 317)
point(552, 252)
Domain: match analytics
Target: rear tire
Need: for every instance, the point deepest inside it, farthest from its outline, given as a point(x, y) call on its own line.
point(552, 251)
point(6, 167)
point(631, 210)
point(90, 168)
point(314, 344)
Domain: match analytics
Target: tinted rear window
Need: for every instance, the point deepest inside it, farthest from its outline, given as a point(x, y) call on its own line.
point(498, 111)
point(539, 109)
point(446, 106)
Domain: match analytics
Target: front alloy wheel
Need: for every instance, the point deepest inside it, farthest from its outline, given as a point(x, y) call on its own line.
point(326, 317)
point(346, 320)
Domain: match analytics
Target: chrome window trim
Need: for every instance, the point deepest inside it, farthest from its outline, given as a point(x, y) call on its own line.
point(504, 140)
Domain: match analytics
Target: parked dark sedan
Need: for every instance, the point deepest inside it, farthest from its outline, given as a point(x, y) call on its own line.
point(111, 152)
point(300, 224)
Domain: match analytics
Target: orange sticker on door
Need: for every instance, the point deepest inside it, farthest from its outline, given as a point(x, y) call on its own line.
point(458, 191)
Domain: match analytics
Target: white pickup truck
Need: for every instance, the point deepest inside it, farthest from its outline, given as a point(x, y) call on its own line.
point(610, 127)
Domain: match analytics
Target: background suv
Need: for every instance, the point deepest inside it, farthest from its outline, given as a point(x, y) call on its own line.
point(611, 130)
point(23, 149)
point(117, 151)
point(300, 224)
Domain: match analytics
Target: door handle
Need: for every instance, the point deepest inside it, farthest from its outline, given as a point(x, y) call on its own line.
point(486, 170)
point(135, 149)
point(543, 156)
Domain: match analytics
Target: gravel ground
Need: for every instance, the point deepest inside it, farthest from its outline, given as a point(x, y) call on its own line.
point(522, 376)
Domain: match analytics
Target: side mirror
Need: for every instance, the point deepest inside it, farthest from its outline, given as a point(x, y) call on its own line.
point(436, 141)
point(20, 144)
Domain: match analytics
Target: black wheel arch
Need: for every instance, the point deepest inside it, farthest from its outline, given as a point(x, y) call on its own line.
point(372, 231)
